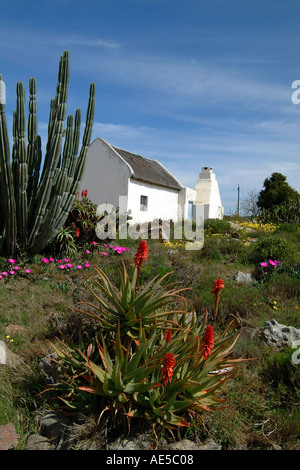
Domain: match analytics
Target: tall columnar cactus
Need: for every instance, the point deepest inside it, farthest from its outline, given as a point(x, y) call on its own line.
point(34, 204)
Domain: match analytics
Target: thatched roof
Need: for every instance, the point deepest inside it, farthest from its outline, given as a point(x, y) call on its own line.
point(148, 170)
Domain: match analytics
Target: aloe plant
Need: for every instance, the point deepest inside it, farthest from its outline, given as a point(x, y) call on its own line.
point(35, 201)
point(126, 308)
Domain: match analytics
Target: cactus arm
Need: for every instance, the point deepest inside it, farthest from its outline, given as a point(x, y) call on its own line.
point(53, 149)
point(21, 176)
point(32, 149)
point(68, 195)
point(9, 223)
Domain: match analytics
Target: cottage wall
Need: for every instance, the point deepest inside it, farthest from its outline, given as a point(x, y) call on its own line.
point(162, 202)
point(106, 176)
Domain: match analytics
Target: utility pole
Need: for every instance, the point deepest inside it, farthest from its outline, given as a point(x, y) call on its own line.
point(238, 204)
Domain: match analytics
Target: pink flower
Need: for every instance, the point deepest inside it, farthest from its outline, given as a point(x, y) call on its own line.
point(1, 277)
point(12, 272)
point(66, 260)
point(16, 268)
point(272, 262)
point(62, 266)
point(79, 267)
point(70, 265)
point(45, 260)
point(12, 261)
point(52, 259)
point(27, 271)
point(59, 261)
point(94, 243)
point(105, 245)
point(87, 251)
point(87, 265)
point(264, 264)
point(4, 273)
point(104, 253)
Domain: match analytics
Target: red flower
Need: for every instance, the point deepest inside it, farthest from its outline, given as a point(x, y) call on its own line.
point(77, 232)
point(168, 336)
point(86, 193)
point(218, 285)
point(141, 254)
point(168, 370)
point(208, 342)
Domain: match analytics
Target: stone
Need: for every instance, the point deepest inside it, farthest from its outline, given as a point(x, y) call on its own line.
point(244, 278)
point(130, 444)
point(279, 335)
point(53, 425)
point(8, 437)
point(48, 368)
point(38, 442)
point(187, 444)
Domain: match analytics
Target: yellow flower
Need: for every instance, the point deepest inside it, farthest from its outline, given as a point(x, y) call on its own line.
point(274, 302)
point(7, 336)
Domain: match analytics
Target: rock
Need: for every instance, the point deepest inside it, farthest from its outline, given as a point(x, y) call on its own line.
point(278, 335)
point(48, 368)
point(37, 442)
point(53, 425)
point(239, 227)
point(187, 444)
point(13, 360)
point(8, 437)
point(172, 252)
point(137, 443)
point(244, 278)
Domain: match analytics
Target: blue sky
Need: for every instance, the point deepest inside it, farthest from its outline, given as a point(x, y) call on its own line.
point(190, 82)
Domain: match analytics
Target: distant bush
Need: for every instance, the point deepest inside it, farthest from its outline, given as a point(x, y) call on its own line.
point(271, 247)
point(217, 226)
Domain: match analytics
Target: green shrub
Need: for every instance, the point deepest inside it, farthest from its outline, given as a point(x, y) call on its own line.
point(217, 226)
point(271, 247)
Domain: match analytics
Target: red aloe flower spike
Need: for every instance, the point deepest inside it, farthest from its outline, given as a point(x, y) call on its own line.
point(168, 336)
point(168, 370)
point(218, 285)
point(208, 342)
point(77, 232)
point(141, 254)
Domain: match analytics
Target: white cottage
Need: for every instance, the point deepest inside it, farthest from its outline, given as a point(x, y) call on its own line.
point(116, 177)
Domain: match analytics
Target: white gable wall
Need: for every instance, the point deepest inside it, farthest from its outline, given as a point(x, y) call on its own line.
point(162, 202)
point(106, 175)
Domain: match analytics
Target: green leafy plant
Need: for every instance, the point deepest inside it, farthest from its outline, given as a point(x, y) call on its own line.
point(159, 367)
point(35, 201)
point(128, 306)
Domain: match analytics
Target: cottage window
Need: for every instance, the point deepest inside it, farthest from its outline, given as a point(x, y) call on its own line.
point(144, 203)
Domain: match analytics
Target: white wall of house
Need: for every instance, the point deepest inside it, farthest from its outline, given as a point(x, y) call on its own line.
point(186, 199)
point(162, 202)
point(105, 177)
